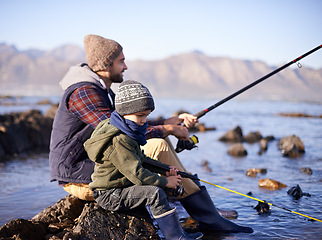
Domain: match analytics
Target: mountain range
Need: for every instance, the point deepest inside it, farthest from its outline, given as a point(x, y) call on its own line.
point(187, 75)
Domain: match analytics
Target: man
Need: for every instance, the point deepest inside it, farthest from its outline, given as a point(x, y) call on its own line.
point(87, 100)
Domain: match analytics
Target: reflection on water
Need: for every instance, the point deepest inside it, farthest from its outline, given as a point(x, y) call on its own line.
point(26, 189)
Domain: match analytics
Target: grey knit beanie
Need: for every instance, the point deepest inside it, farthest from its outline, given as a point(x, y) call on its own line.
point(100, 52)
point(132, 97)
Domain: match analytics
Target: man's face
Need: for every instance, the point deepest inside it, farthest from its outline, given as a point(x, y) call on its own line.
point(117, 69)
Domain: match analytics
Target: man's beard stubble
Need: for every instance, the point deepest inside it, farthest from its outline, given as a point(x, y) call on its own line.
point(116, 78)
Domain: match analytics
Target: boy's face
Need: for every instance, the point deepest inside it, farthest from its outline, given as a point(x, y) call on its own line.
point(139, 118)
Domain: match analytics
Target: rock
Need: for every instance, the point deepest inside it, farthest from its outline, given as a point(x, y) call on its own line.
point(306, 170)
point(263, 144)
point(291, 146)
point(72, 218)
point(263, 208)
point(299, 115)
point(252, 172)
point(68, 208)
point(237, 149)
point(296, 192)
point(51, 112)
point(23, 229)
point(234, 135)
point(97, 223)
point(205, 165)
point(270, 184)
point(202, 128)
point(24, 132)
point(253, 137)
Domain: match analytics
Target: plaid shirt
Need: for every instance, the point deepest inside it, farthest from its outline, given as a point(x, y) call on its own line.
point(86, 104)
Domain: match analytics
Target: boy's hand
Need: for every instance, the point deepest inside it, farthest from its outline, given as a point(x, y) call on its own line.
point(173, 171)
point(173, 181)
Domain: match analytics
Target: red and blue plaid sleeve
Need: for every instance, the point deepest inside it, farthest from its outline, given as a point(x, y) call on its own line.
point(154, 130)
point(87, 104)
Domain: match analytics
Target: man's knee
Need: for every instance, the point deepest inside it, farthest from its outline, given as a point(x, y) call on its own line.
point(158, 143)
point(155, 147)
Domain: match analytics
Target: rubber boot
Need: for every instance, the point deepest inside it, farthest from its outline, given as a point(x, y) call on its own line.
point(170, 227)
point(201, 208)
point(230, 214)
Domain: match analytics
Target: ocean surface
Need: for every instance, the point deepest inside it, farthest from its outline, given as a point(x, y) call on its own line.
point(26, 190)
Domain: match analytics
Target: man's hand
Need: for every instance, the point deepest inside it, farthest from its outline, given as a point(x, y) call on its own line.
point(187, 119)
point(172, 126)
point(178, 131)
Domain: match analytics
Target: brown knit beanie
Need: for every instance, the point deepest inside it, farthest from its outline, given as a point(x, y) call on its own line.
point(100, 52)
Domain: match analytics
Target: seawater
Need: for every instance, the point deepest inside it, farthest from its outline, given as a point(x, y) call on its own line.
point(26, 190)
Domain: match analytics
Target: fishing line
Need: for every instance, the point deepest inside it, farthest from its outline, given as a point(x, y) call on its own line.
point(260, 200)
point(165, 167)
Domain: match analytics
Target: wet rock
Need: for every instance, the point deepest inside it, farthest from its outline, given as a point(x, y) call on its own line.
point(270, 184)
point(237, 150)
point(263, 143)
point(291, 146)
point(235, 135)
point(253, 137)
point(296, 192)
point(252, 172)
point(263, 208)
point(306, 170)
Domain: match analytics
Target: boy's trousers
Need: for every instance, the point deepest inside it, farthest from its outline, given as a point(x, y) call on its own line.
point(134, 196)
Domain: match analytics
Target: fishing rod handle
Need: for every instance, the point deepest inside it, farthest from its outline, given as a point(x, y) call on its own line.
point(201, 113)
point(166, 167)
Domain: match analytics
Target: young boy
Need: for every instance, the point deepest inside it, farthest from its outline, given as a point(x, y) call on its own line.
point(120, 182)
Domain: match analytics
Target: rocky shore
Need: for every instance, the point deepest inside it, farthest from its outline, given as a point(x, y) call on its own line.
point(24, 132)
point(75, 219)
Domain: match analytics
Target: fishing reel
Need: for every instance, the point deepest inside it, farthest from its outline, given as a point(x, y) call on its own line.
point(187, 144)
point(176, 192)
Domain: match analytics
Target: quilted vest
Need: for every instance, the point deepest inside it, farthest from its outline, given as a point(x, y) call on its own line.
point(68, 160)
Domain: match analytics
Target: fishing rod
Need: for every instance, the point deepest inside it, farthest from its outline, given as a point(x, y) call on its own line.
point(190, 144)
point(203, 112)
point(165, 167)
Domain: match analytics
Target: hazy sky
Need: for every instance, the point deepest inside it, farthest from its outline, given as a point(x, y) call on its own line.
point(273, 31)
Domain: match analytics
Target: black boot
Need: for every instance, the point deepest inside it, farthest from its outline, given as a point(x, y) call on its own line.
point(170, 227)
point(230, 214)
point(201, 208)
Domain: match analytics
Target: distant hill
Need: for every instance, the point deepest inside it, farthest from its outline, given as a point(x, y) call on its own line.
point(188, 75)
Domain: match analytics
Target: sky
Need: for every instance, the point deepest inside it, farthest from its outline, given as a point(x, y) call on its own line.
point(272, 31)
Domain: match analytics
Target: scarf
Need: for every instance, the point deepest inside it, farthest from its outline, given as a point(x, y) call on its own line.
point(129, 127)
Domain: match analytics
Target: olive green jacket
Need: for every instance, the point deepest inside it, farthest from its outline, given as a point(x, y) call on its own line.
point(118, 160)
